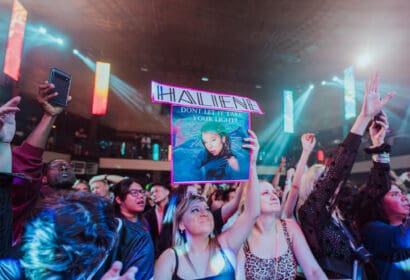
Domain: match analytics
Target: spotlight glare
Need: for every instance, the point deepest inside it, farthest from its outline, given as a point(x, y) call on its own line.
point(335, 79)
point(75, 51)
point(364, 60)
point(59, 41)
point(42, 30)
point(312, 86)
point(323, 83)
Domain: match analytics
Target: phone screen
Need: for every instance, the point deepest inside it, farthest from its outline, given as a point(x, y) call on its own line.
point(62, 83)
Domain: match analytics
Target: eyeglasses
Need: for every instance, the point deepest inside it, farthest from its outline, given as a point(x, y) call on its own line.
point(60, 164)
point(135, 193)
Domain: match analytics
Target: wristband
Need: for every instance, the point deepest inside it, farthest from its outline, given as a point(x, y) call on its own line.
point(382, 158)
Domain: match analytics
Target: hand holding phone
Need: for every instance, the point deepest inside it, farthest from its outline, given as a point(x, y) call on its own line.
point(62, 84)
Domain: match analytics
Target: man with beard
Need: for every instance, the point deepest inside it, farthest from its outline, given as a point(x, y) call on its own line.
point(27, 159)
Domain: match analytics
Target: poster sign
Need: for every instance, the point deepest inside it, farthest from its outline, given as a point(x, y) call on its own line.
point(207, 145)
point(202, 99)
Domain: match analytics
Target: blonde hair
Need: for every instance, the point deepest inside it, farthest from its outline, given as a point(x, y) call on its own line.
point(308, 181)
point(179, 237)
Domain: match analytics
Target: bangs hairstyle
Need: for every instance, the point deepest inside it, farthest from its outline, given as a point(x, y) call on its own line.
point(69, 238)
point(178, 238)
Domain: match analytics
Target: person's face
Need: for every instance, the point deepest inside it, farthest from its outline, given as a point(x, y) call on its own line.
point(134, 201)
point(217, 202)
point(231, 196)
point(198, 219)
point(82, 187)
point(60, 174)
point(100, 188)
point(212, 142)
point(159, 193)
point(270, 202)
point(396, 204)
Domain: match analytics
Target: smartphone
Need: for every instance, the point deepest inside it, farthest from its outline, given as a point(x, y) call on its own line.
point(62, 83)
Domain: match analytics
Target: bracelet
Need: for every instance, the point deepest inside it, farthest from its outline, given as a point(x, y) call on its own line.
point(382, 158)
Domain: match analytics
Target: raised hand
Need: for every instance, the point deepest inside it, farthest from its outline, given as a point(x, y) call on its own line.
point(372, 104)
point(43, 97)
point(282, 162)
point(378, 130)
point(7, 119)
point(308, 141)
point(114, 272)
point(253, 146)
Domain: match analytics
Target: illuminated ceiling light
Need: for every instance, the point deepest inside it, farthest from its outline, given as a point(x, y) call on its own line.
point(42, 30)
point(143, 69)
point(101, 88)
point(75, 51)
point(335, 78)
point(323, 83)
point(364, 60)
point(258, 86)
point(204, 79)
point(59, 41)
point(12, 59)
point(312, 86)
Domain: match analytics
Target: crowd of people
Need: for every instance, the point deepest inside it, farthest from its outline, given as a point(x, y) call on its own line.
point(319, 225)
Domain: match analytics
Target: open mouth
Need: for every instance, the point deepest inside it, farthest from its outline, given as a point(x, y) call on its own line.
point(141, 203)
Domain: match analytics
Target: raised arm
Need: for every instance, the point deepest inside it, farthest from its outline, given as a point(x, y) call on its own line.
point(312, 213)
point(275, 180)
point(230, 208)
point(379, 179)
point(7, 130)
point(308, 143)
point(38, 138)
point(233, 237)
point(27, 159)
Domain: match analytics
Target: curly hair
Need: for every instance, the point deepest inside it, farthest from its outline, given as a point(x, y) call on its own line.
point(69, 238)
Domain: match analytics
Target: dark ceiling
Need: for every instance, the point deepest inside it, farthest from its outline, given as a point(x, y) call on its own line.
point(236, 44)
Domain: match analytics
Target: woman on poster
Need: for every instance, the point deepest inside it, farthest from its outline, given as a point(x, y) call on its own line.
point(216, 161)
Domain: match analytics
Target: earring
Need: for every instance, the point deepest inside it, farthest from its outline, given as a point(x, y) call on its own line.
point(181, 232)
